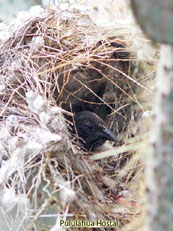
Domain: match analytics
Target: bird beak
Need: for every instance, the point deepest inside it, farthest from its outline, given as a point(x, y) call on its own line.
point(109, 134)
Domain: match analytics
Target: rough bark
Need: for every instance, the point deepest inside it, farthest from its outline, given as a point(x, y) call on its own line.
point(159, 168)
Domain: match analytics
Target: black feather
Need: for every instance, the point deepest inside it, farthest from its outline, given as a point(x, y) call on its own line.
point(91, 130)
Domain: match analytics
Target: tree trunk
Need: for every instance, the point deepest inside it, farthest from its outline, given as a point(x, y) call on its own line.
point(159, 168)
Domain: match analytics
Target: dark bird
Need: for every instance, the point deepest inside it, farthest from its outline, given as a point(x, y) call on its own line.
point(91, 130)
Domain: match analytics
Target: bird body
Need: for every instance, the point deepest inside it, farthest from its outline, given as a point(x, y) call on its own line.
point(91, 130)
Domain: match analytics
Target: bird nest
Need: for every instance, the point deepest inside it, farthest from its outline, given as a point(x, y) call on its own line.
point(53, 65)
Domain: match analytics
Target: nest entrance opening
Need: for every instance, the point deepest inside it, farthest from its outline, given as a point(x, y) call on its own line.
point(99, 84)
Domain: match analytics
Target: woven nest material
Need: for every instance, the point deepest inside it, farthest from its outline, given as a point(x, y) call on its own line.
point(51, 65)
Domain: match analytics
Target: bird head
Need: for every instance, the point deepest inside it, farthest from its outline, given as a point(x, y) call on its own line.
point(91, 130)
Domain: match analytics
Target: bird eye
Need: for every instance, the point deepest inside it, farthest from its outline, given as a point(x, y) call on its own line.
point(90, 127)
